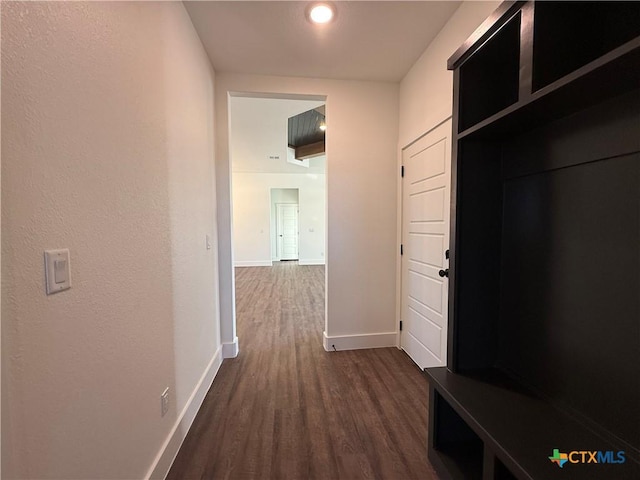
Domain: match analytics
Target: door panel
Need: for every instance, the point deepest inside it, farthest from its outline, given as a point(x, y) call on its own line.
point(425, 237)
point(287, 231)
point(425, 290)
point(432, 163)
point(427, 206)
point(426, 330)
point(426, 248)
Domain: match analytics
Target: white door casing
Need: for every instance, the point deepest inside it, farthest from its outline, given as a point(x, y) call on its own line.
point(425, 239)
point(287, 231)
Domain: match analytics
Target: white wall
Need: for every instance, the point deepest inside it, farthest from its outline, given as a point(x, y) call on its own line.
point(108, 147)
point(361, 191)
point(252, 216)
point(426, 91)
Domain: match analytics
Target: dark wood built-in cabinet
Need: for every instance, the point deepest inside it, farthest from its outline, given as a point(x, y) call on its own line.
point(544, 279)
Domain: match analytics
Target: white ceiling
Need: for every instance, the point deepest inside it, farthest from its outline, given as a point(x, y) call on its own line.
point(369, 40)
point(259, 131)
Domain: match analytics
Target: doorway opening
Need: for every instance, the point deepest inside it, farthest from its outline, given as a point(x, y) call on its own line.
point(278, 193)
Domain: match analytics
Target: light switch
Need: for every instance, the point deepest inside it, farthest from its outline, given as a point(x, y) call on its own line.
point(57, 270)
point(60, 271)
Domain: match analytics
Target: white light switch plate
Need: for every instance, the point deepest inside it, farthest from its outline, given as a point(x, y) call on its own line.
point(57, 270)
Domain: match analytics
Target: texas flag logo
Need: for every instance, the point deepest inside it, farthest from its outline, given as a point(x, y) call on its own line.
point(559, 458)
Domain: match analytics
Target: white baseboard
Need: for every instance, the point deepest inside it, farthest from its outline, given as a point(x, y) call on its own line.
point(358, 342)
point(230, 349)
point(167, 454)
point(311, 262)
point(269, 263)
point(253, 263)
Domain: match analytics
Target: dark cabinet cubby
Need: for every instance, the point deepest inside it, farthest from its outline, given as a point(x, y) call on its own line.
point(459, 446)
point(494, 68)
point(569, 35)
point(544, 275)
point(501, 472)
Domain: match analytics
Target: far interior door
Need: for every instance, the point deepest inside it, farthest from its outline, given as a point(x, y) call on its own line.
point(287, 231)
point(425, 239)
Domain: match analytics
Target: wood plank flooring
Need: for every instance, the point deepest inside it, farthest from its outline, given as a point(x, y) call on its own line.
point(286, 409)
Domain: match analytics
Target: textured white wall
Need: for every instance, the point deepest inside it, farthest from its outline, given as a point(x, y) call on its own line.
point(252, 215)
point(426, 91)
point(107, 128)
point(361, 190)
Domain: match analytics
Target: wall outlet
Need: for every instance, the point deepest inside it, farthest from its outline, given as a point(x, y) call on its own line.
point(164, 402)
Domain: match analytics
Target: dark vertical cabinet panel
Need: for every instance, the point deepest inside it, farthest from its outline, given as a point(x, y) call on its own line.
point(570, 321)
point(478, 255)
point(544, 327)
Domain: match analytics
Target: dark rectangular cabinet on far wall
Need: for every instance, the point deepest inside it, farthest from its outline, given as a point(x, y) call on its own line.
point(543, 370)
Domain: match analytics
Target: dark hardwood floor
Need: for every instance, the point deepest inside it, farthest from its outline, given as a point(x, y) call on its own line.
point(286, 409)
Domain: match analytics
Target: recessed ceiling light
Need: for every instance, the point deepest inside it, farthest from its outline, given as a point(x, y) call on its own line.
point(321, 13)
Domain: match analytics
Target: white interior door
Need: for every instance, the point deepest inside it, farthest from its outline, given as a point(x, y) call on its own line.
point(287, 231)
point(425, 238)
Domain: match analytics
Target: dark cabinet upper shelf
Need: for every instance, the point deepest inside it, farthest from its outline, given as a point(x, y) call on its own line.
point(613, 74)
point(532, 49)
point(569, 35)
point(494, 69)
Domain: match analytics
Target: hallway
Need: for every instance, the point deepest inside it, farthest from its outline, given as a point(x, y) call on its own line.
point(286, 409)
